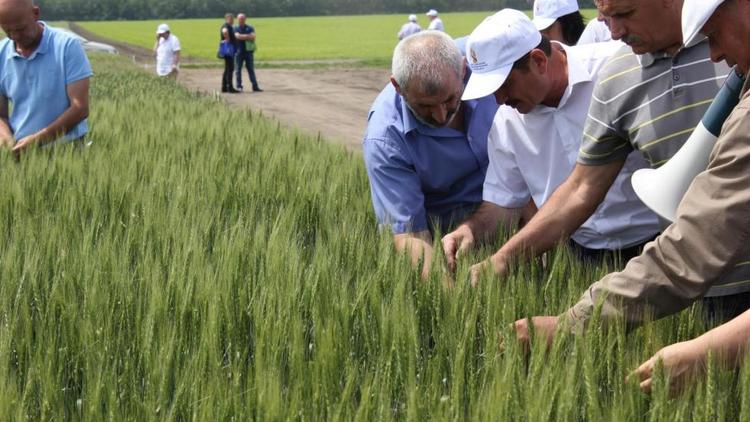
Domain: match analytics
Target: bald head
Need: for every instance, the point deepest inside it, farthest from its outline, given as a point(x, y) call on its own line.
point(18, 19)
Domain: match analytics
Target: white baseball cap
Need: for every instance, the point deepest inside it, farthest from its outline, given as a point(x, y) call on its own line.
point(162, 29)
point(412, 18)
point(546, 12)
point(431, 12)
point(498, 42)
point(695, 14)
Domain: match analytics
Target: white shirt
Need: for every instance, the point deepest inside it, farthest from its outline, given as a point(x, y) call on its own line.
point(409, 28)
point(165, 53)
point(595, 31)
point(532, 154)
point(437, 25)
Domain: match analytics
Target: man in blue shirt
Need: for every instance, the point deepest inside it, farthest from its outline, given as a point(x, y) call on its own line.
point(245, 52)
point(426, 150)
point(44, 74)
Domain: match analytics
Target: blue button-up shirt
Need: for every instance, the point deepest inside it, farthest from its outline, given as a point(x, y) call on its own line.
point(418, 173)
point(36, 86)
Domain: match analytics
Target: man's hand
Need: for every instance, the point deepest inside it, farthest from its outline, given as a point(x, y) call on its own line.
point(682, 362)
point(497, 262)
point(456, 244)
point(545, 326)
point(24, 144)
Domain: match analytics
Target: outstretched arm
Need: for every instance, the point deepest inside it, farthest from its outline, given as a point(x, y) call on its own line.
point(78, 94)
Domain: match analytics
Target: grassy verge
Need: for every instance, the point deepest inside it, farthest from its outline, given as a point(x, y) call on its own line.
point(366, 38)
point(200, 263)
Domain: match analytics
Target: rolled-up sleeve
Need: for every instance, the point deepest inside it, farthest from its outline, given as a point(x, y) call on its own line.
point(395, 187)
point(709, 236)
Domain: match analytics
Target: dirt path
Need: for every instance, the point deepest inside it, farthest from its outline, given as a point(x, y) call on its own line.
point(331, 101)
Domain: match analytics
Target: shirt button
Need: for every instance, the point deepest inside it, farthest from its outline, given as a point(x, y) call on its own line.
point(676, 77)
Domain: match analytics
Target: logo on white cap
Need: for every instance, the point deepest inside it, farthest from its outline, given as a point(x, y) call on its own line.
point(494, 46)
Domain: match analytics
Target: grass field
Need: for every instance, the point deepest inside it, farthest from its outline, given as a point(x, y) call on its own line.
point(367, 38)
point(201, 263)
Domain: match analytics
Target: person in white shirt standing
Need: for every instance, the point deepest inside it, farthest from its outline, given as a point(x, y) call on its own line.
point(409, 28)
point(436, 24)
point(167, 49)
point(544, 90)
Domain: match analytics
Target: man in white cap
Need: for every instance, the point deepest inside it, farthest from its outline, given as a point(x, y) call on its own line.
point(709, 237)
point(544, 89)
point(436, 24)
point(167, 49)
point(559, 20)
point(649, 98)
point(716, 208)
point(409, 28)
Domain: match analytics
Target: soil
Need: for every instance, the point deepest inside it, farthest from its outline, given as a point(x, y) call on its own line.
point(332, 101)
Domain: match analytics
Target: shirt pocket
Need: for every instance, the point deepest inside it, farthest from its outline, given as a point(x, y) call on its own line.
point(47, 82)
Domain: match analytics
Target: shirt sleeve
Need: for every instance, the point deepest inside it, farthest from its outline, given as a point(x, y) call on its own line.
point(176, 44)
point(504, 184)
point(395, 187)
point(77, 66)
point(709, 236)
point(602, 142)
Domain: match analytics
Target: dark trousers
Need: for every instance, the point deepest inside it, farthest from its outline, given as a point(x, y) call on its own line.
point(226, 79)
point(249, 60)
point(614, 258)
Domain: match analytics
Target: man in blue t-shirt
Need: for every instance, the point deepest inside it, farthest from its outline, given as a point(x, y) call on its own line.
point(245, 52)
point(44, 76)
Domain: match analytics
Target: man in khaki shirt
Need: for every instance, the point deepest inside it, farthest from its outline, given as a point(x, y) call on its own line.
point(712, 227)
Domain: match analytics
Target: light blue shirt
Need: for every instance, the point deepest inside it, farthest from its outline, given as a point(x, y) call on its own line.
point(418, 173)
point(36, 86)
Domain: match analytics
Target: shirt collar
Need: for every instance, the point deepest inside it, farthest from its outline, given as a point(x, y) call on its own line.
point(648, 59)
point(41, 48)
point(411, 123)
point(577, 72)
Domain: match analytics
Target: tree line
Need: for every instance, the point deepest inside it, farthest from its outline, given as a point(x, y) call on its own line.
point(80, 10)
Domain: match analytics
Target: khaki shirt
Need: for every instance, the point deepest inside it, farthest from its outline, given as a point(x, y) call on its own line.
point(709, 237)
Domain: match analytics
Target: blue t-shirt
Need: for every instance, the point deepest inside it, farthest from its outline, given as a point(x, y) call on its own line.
point(245, 46)
point(36, 86)
point(418, 173)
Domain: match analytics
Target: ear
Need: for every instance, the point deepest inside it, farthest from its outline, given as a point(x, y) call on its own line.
point(396, 85)
point(36, 12)
point(464, 69)
point(539, 60)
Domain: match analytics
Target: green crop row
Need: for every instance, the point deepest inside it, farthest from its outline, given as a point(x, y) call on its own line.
point(202, 263)
point(366, 38)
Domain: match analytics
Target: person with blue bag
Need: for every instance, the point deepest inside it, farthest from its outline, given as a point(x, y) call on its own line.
point(227, 48)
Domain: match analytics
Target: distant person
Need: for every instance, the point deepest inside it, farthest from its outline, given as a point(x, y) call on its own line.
point(436, 24)
point(559, 20)
point(167, 49)
point(245, 35)
point(44, 77)
point(597, 30)
point(426, 150)
point(228, 37)
point(409, 28)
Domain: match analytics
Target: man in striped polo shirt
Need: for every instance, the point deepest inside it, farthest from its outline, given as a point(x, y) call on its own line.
point(649, 97)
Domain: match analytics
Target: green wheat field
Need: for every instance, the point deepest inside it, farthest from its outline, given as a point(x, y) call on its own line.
point(201, 263)
point(366, 38)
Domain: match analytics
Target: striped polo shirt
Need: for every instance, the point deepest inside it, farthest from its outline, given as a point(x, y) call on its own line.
point(652, 103)
point(649, 102)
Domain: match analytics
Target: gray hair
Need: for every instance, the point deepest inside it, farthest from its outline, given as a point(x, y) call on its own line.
point(427, 55)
